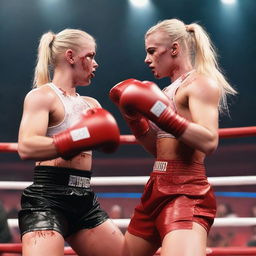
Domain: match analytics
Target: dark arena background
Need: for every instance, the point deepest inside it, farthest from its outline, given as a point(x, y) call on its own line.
point(119, 27)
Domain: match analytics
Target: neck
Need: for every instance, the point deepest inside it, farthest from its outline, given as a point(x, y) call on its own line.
point(63, 80)
point(179, 72)
point(182, 66)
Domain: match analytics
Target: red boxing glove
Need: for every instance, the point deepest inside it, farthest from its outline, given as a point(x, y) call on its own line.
point(138, 124)
point(147, 99)
point(116, 91)
point(97, 129)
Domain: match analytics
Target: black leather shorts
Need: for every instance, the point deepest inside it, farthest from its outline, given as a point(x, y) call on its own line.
point(60, 199)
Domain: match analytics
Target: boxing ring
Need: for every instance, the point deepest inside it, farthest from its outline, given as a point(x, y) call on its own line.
point(16, 248)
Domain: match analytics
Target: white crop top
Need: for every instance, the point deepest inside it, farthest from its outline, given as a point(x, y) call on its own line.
point(170, 91)
point(74, 106)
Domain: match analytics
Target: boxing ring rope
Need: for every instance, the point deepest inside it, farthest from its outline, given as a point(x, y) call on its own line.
point(141, 180)
point(220, 251)
point(237, 132)
point(218, 222)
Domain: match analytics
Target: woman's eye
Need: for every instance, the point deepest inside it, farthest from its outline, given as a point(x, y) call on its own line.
point(151, 51)
point(91, 56)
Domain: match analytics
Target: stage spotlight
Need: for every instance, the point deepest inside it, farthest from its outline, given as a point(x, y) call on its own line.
point(228, 1)
point(139, 3)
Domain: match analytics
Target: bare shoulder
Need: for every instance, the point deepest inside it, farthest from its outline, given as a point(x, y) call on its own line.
point(40, 97)
point(92, 101)
point(204, 86)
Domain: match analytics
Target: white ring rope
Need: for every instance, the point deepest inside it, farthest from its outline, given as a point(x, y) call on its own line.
point(218, 222)
point(139, 180)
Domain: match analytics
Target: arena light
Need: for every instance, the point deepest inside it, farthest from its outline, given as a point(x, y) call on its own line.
point(228, 1)
point(139, 3)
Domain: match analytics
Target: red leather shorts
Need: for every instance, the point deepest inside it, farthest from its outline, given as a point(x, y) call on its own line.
point(176, 195)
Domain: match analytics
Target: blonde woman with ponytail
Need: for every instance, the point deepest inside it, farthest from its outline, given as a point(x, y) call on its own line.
point(59, 129)
point(179, 127)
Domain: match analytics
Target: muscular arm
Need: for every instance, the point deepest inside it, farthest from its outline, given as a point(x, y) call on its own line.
point(203, 100)
point(32, 142)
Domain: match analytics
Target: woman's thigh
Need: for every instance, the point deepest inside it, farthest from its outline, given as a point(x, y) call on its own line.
point(185, 242)
point(105, 239)
point(42, 243)
point(138, 246)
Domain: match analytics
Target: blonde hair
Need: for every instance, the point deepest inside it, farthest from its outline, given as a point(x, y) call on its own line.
point(201, 50)
point(51, 46)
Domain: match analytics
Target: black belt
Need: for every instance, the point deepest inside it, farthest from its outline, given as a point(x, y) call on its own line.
point(51, 175)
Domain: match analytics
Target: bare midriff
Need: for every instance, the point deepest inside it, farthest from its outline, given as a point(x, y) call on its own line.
point(82, 161)
point(172, 149)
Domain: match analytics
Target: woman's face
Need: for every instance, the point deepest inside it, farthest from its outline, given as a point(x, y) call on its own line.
point(159, 57)
point(85, 64)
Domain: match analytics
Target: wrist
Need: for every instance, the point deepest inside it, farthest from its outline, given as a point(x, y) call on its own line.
point(139, 127)
point(173, 123)
point(62, 145)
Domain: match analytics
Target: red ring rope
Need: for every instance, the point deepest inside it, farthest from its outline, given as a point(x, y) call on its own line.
point(220, 251)
point(130, 139)
point(8, 147)
point(223, 133)
point(237, 132)
point(232, 251)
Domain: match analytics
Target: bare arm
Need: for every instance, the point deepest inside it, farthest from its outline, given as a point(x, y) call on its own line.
point(33, 142)
point(203, 100)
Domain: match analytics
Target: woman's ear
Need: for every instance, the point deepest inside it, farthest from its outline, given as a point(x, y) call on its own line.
point(69, 56)
point(175, 49)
